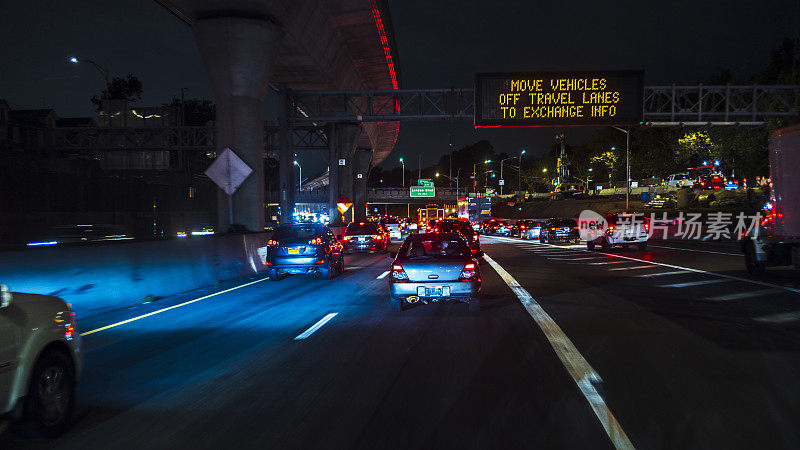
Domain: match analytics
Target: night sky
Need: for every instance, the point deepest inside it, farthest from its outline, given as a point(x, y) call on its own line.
point(441, 44)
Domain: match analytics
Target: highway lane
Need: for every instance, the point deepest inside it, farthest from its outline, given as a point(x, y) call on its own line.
point(688, 359)
point(685, 359)
point(227, 372)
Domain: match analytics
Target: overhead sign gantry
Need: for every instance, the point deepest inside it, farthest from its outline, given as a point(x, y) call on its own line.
point(588, 98)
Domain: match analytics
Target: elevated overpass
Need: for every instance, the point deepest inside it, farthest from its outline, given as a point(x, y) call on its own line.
point(248, 46)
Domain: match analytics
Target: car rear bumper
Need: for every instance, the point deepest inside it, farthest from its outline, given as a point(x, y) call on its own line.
point(296, 262)
point(366, 247)
point(458, 289)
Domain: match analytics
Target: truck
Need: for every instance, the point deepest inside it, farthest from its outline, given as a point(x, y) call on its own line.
point(475, 208)
point(775, 240)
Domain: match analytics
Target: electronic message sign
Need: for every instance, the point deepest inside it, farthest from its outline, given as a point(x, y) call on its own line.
point(588, 98)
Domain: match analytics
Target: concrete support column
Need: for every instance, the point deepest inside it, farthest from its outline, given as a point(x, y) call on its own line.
point(341, 177)
point(333, 176)
point(361, 162)
point(238, 54)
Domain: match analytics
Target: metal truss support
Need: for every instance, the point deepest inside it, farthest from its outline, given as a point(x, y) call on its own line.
point(687, 105)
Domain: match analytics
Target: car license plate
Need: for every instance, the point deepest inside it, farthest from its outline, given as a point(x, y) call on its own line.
point(294, 251)
point(362, 239)
point(434, 291)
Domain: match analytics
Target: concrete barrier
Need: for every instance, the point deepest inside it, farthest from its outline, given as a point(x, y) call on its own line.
point(121, 274)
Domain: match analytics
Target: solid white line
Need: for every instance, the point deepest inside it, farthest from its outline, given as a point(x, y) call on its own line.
point(695, 250)
point(315, 327)
point(690, 283)
point(171, 307)
point(578, 258)
point(741, 295)
point(383, 275)
point(578, 368)
point(606, 262)
point(632, 268)
point(780, 318)
point(661, 274)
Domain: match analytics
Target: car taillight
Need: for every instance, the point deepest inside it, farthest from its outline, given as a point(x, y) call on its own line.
point(647, 225)
point(272, 242)
point(610, 229)
point(475, 237)
point(469, 273)
point(347, 238)
point(398, 274)
point(315, 241)
point(377, 237)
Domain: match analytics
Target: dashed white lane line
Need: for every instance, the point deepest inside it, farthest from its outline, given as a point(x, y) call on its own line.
point(780, 318)
point(696, 250)
point(577, 258)
point(316, 326)
point(606, 262)
point(383, 275)
point(578, 368)
point(691, 283)
point(741, 295)
point(661, 274)
point(133, 319)
point(632, 268)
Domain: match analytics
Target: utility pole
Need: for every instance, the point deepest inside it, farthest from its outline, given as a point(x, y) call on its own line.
point(419, 162)
point(450, 150)
point(627, 131)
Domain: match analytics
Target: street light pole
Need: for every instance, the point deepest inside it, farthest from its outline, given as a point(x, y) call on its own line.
point(301, 173)
point(627, 132)
point(404, 172)
point(519, 171)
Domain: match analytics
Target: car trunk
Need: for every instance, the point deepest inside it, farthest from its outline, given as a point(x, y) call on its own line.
point(299, 247)
point(433, 269)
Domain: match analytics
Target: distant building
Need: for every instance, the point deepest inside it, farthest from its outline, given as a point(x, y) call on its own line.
point(29, 129)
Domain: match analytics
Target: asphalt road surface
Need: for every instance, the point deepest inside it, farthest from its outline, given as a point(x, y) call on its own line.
point(673, 347)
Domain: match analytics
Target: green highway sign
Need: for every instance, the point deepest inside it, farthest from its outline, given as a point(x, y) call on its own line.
point(425, 182)
point(422, 191)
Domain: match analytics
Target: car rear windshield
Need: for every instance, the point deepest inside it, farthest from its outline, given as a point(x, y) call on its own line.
point(450, 227)
point(433, 249)
point(390, 221)
point(564, 223)
point(297, 232)
point(358, 228)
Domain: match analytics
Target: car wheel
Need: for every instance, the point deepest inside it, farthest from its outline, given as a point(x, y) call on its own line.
point(50, 400)
point(395, 303)
point(326, 273)
point(273, 274)
point(590, 246)
point(642, 246)
point(753, 266)
point(606, 245)
point(474, 304)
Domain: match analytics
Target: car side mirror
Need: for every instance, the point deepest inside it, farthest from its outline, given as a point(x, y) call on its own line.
point(339, 237)
point(5, 296)
point(393, 255)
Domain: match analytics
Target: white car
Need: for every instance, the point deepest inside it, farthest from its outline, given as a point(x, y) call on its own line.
point(393, 225)
point(679, 180)
point(40, 361)
point(621, 230)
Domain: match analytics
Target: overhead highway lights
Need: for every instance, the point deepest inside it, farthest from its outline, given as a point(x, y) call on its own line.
point(73, 60)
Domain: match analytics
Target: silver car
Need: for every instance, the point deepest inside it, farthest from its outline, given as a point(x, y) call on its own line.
point(434, 266)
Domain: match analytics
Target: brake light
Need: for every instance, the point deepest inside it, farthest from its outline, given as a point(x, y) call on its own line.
point(315, 241)
point(647, 225)
point(398, 274)
point(377, 237)
point(475, 237)
point(347, 238)
point(272, 242)
point(469, 273)
point(610, 229)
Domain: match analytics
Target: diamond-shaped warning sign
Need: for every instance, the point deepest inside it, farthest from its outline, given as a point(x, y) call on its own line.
point(343, 204)
point(228, 171)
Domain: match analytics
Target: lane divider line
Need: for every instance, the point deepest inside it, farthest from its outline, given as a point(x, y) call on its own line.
point(133, 319)
point(578, 368)
point(741, 295)
point(383, 275)
point(691, 283)
point(780, 318)
point(696, 250)
point(661, 274)
point(315, 327)
point(632, 268)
